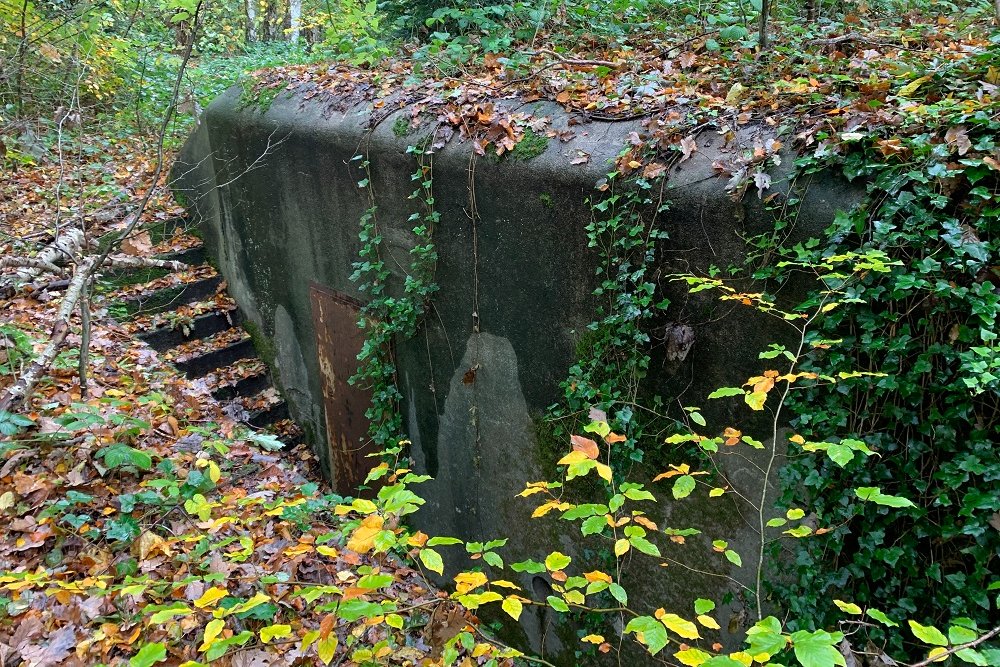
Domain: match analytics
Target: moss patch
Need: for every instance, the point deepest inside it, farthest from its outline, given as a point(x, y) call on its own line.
point(401, 127)
point(261, 343)
point(253, 97)
point(530, 146)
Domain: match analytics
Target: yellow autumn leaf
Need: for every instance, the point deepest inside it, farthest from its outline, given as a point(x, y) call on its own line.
point(277, 631)
point(938, 654)
point(604, 471)
point(680, 626)
point(363, 538)
point(575, 456)
point(621, 547)
point(593, 639)
point(327, 647)
point(912, 86)
point(597, 575)
point(708, 622)
point(326, 551)
point(212, 630)
point(755, 400)
point(742, 657)
point(691, 657)
point(466, 581)
point(512, 606)
point(210, 597)
point(214, 473)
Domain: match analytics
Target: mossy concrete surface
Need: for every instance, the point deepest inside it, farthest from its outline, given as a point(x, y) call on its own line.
point(277, 198)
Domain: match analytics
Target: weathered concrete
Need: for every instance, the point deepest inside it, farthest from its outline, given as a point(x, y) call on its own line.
point(277, 198)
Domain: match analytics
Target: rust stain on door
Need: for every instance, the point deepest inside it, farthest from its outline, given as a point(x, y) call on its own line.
point(338, 341)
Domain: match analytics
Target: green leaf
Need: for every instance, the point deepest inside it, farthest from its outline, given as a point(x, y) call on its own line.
point(683, 486)
point(443, 541)
point(928, 634)
point(593, 525)
point(645, 546)
point(432, 560)
point(529, 566)
point(874, 494)
point(149, 655)
point(881, 618)
point(557, 561)
point(557, 603)
point(376, 580)
point(723, 392)
point(766, 637)
point(733, 557)
point(703, 606)
point(650, 632)
point(817, 649)
point(618, 593)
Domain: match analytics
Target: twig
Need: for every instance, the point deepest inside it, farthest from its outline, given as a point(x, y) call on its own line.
point(958, 647)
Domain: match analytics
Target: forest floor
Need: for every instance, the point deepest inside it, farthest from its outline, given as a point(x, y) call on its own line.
point(147, 524)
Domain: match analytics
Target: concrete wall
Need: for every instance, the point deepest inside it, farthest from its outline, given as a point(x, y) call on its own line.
point(277, 198)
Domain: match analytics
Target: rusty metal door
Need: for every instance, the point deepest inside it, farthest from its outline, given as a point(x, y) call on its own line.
point(338, 341)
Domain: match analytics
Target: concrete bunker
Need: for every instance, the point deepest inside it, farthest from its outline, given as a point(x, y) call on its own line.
point(276, 196)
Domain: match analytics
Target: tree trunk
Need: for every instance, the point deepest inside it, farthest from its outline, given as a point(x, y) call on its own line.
point(765, 9)
point(295, 14)
point(251, 7)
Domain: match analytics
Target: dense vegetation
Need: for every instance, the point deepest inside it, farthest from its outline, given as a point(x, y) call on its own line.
point(890, 492)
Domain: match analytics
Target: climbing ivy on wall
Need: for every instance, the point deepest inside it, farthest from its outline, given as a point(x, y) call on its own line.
point(389, 315)
point(615, 357)
point(931, 323)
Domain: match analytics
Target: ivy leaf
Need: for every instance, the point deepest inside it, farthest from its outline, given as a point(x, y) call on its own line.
point(149, 655)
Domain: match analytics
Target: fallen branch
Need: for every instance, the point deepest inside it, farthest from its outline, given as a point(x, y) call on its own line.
point(128, 262)
point(66, 246)
point(40, 265)
point(16, 393)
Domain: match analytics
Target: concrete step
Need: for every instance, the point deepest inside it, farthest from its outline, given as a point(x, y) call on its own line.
point(248, 386)
point(191, 256)
point(204, 364)
point(166, 337)
point(269, 415)
point(167, 298)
